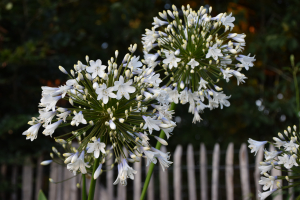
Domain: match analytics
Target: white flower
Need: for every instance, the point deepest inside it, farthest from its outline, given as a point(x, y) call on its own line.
point(227, 21)
point(49, 130)
point(271, 155)
point(153, 79)
point(222, 99)
point(171, 60)
point(46, 117)
point(265, 168)
point(200, 106)
point(64, 115)
point(290, 146)
point(184, 96)
point(78, 164)
point(292, 162)
point(255, 145)
point(151, 123)
point(98, 171)
point(264, 195)
point(227, 74)
point(63, 90)
point(78, 118)
point(240, 38)
point(279, 142)
point(193, 63)
point(104, 93)
point(246, 61)
point(197, 117)
point(96, 68)
point(46, 162)
point(173, 95)
point(79, 67)
point(267, 182)
point(125, 171)
point(123, 88)
point(49, 102)
point(134, 65)
point(202, 84)
point(239, 76)
point(163, 158)
point(157, 22)
point(214, 52)
point(96, 147)
point(32, 132)
point(150, 155)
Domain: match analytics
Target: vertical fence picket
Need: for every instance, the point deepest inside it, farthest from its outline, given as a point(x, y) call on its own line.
point(59, 186)
point(244, 172)
point(177, 173)
point(191, 173)
point(215, 173)
point(150, 190)
point(163, 180)
point(27, 180)
point(203, 173)
point(53, 175)
point(97, 188)
point(14, 182)
point(229, 172)
point(291, 190)
point(3, 176)
point(258, 159)
point(121, 188)
point(110, 176)
point(137, 182)
point(276, 172)
point(69, 186)
point(39, 177)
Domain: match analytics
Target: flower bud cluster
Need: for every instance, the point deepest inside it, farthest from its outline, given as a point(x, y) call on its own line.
point(285, 158)
point(112, 105)
point(196, 51)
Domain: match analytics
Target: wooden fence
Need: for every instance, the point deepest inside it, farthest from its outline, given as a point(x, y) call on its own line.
point(237, 179)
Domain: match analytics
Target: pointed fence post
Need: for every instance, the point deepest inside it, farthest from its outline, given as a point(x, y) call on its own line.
point(110, 176)
point(215, 172)
point(244, 172)
point(191, 173)
point(276, 172)
point(258, 159)
point(137, 182)
point(177, 173)
point(150, 191)
point(14, 180)
point(27, 180)
point(69, 186)
point(39, 177)
point(163, 180)
point(229, 170)
point(203, 173)
point(291, 190)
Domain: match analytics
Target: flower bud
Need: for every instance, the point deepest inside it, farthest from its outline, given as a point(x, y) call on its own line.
point(87, 58)
point(63, 70)
point(98, 171)
point(162, 141)
point(46, 162)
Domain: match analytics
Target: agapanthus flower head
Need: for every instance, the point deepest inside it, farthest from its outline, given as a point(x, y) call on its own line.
point(110, 105)
point(284, 158)
point(196, 51)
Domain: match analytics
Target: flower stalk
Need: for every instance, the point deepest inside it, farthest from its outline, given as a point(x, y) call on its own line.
point(93, 181)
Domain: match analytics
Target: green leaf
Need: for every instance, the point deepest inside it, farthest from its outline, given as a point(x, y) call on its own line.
point(42, 196)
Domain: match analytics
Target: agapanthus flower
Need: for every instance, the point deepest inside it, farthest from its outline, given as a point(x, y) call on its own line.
point(196, 51)
point(284, 158)
point(117, 105)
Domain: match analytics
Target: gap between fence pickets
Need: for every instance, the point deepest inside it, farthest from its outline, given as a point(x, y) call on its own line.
point(68, 189)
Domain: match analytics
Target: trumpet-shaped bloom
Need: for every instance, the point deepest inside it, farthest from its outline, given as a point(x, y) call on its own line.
point(78, 164)
point(78, 118)
point(96, 147)
point(49, 130)
point(96, 68)
point(32, 132)
point(123, 89)
point(214, 52)
point(104, 93)
point(255, 145)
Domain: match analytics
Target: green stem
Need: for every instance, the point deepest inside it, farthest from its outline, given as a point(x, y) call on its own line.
point(151, 167)
point(93, 181)
point(83, 189)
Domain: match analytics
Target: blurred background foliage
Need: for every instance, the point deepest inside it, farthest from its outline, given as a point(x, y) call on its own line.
point(38, 36)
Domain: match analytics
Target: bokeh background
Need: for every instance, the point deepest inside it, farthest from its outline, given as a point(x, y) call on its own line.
point(38, 36)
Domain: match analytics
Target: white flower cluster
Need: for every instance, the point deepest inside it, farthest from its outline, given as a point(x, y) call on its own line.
point(285, 157)
point(112, 105)
point(196, 52)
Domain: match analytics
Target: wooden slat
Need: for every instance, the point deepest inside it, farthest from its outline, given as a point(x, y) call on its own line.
point(3, 177)
point(276, 172)
point(191, 173)
point(53, 175)
point(59, 186)
point(177, 173)
point(27, 178)
point(229, 172)
point(69, 186)
point(39, 177)
point(150, 189)
point(244, 172)
point(163, 180)
point(122, 189)
point(109, 177)
point(258, 159)
point(137, 182)
point(215, 172)
point(203, 173)
point(291, 190)
point(14, 182)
